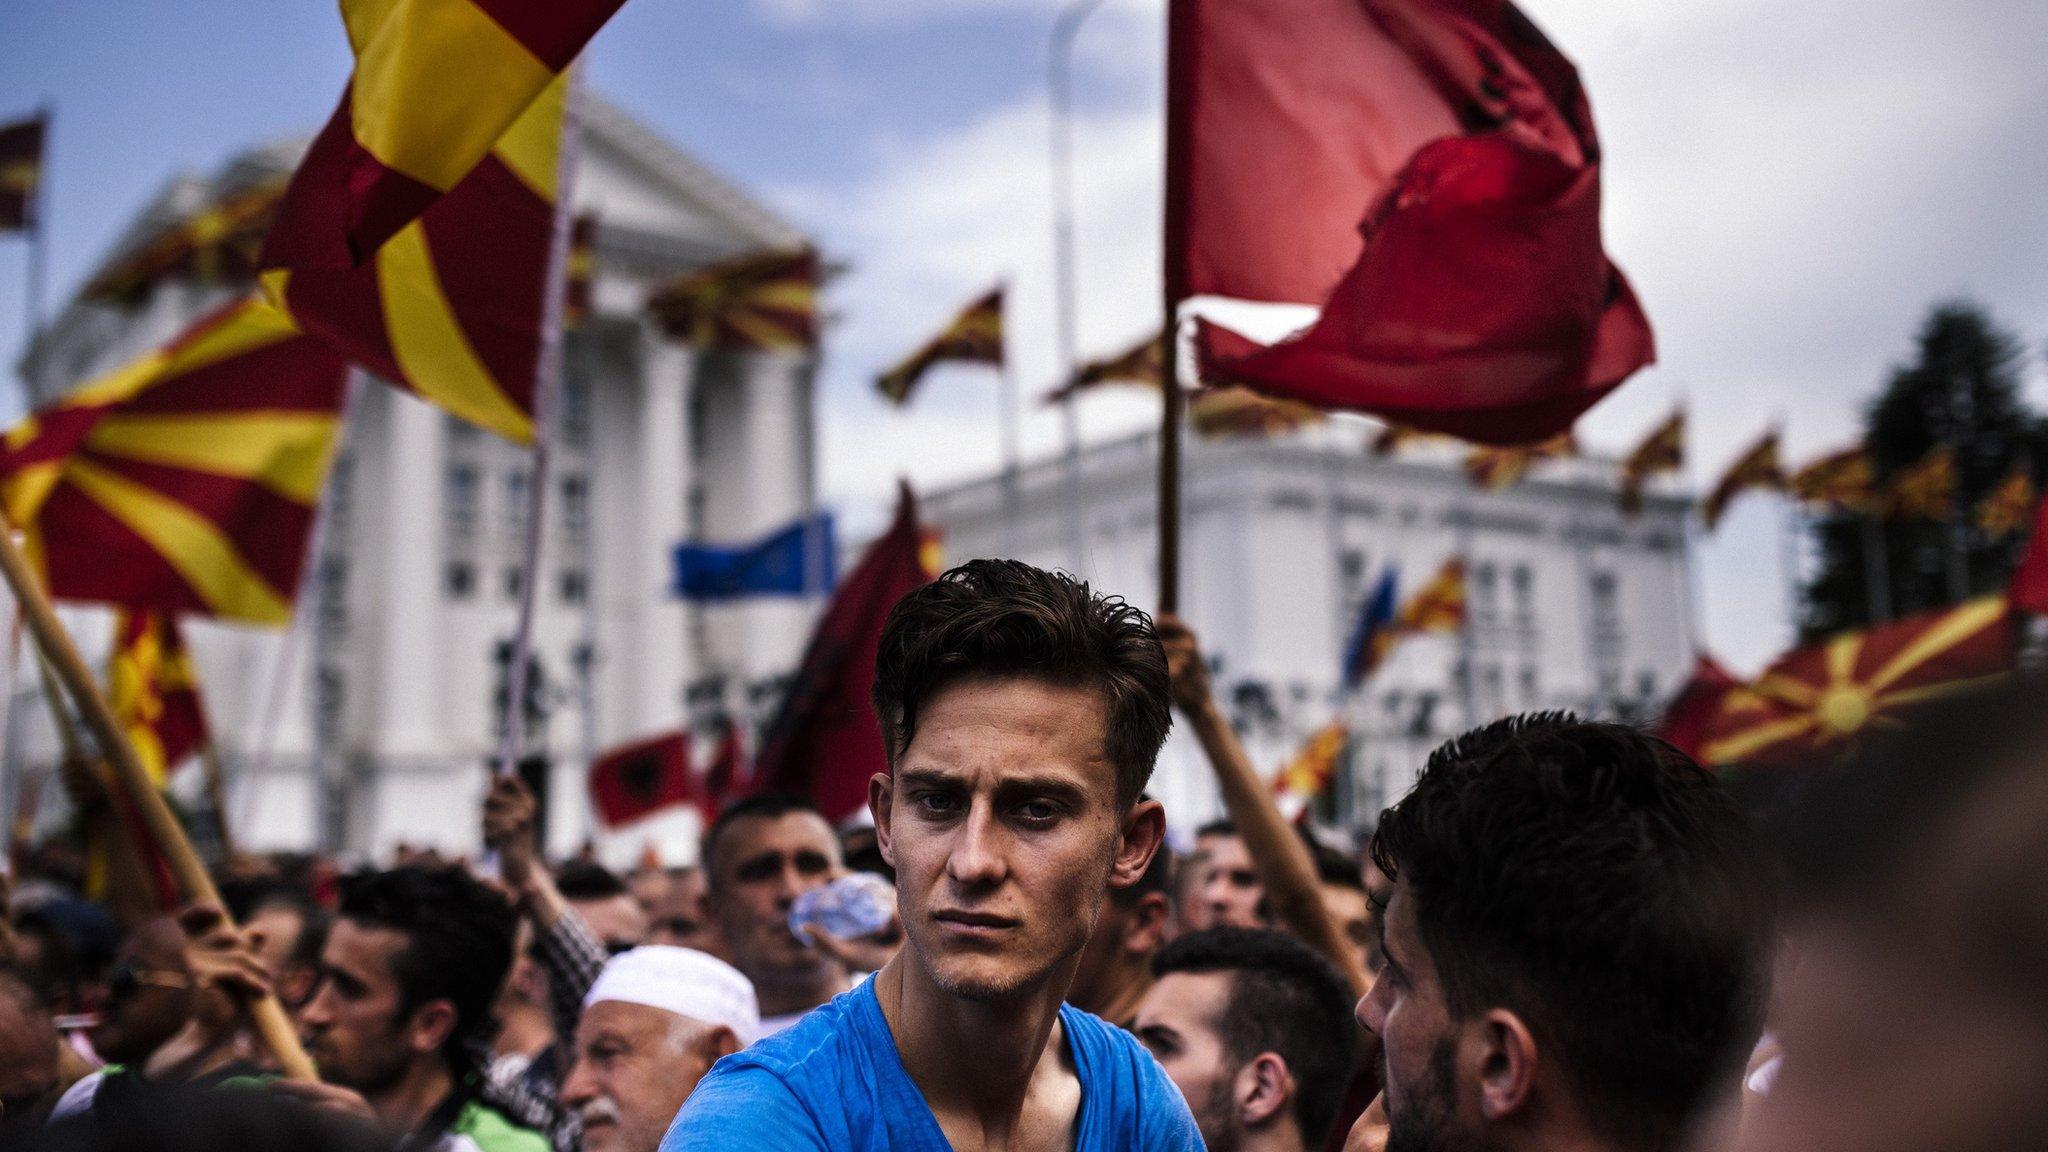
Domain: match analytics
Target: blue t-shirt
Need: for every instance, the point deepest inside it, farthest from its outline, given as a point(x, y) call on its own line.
point(834, 1081)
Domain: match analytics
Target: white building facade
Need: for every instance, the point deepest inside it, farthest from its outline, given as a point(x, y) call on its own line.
point(370, 724)
point(1571, 603)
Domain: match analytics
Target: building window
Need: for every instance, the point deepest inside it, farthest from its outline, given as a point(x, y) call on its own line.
point(458, 580)
point(575, 412)
point(509, 581)
point(576, 511)
point(327, 705)
point(1604, 595)
point(1523, 586)
point(333, 594)
point(1485, 594)
point(1531, 697)
point(573, 586)
point(340, 495)
point(517, 482)
point(461, 493)
point(1493, 693)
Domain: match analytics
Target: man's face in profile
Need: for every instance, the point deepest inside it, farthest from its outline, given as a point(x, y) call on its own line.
point(1408, 1011)
point(1001, 820)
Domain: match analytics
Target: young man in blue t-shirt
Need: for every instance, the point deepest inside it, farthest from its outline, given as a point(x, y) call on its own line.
point(1021, 715)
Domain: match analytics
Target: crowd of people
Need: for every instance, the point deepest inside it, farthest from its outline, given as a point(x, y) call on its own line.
point(1565, 936)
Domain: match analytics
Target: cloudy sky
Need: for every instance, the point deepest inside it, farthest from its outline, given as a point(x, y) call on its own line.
point(1788, 185)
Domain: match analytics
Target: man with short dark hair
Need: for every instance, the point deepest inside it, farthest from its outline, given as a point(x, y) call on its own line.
point(608, 908)
point(402, 1012)
point(759, 855)
point(1574, 944)
point(1021, 715)
point(1116, 967)
point(1256, 1031)
point(1228, 893)
point(289, 928)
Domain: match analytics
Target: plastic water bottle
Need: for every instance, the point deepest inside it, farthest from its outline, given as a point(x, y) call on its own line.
point(857, 904)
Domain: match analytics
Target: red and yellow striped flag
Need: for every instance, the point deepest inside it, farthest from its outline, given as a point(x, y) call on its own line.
point(1846, 479)
point(1439, 606)
point(1662, 451)
point(760, 302)
point(438, 86)
point(21, 172)
point(216, 244)
point(1926, 490)
point(1495, 468)
point(1304, 777)
point(1757, 467)
point(1808, 706)
point(1234, 410)
point(186, 481)
point(975, 337)
point(2009, 507)
point(154, 691)
point(1144, 363)
point(451, 307)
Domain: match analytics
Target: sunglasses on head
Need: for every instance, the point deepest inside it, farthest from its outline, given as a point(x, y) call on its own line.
point(127, 978)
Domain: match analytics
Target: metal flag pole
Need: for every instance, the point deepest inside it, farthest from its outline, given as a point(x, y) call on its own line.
point(1877, 569)
point(1006, 398)
point(546, 390)
point(1060, 83)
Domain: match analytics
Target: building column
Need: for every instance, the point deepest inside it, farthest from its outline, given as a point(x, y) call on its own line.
point(653, 665)
point(405, 565)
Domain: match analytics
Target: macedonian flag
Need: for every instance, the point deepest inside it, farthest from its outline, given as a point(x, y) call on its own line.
point(154, 691)
point(438, 85)
point(21, 171)
point(1143, 363)
point(1846, 479)
point(1495, 468)
point(1306, 776)
point(2009, 507)
point(186, 481)
point(1757, 467)
point(760, 302)
point(215, 244)
point(1234, 410)
point(974, 337)
point(1809, 705)
point(451, 307)
point(1438, 606)
point(1662, 451)
point(1926, 490)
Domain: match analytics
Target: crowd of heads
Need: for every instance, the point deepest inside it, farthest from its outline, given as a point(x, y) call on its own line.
point(1574, 935)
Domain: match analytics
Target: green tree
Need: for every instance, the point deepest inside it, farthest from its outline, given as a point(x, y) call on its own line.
point(1962, 389)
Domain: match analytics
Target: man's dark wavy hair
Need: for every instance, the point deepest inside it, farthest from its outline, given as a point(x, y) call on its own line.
point(1599, 884)
point(458, 946)
point(1007, 618)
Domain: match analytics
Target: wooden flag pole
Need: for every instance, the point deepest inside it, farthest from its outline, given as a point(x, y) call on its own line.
point(1169, 465)
point(546, 388)
point(133, 779)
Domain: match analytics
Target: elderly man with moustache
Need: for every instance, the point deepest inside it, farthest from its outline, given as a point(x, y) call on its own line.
point(656, 1020)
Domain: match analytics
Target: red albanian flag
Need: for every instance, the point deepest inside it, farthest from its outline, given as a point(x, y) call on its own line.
point(1685, 719)
point(636, 780)
point(2030, 581)
point(825, 742)
point(1475, 298)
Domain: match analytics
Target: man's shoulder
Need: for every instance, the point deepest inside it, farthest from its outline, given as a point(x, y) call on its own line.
point(787, 1085)
point(481, 1127)
point(1147, 1110)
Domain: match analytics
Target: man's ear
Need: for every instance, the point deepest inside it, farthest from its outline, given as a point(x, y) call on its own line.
point(1145, 928)
point(430, 1026)
point(881, 799)
point(1263, 1090)
point(1507, 1064)
point(1144, 830)
point(718, 1042)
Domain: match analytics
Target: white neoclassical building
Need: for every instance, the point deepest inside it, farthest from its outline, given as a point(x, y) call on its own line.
point(370, 724)
point(1572, 604)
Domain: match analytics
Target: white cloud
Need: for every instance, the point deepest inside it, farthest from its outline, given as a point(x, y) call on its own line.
point(1788, 188)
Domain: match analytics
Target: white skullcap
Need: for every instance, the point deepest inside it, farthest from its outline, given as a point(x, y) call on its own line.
point(683, 981)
